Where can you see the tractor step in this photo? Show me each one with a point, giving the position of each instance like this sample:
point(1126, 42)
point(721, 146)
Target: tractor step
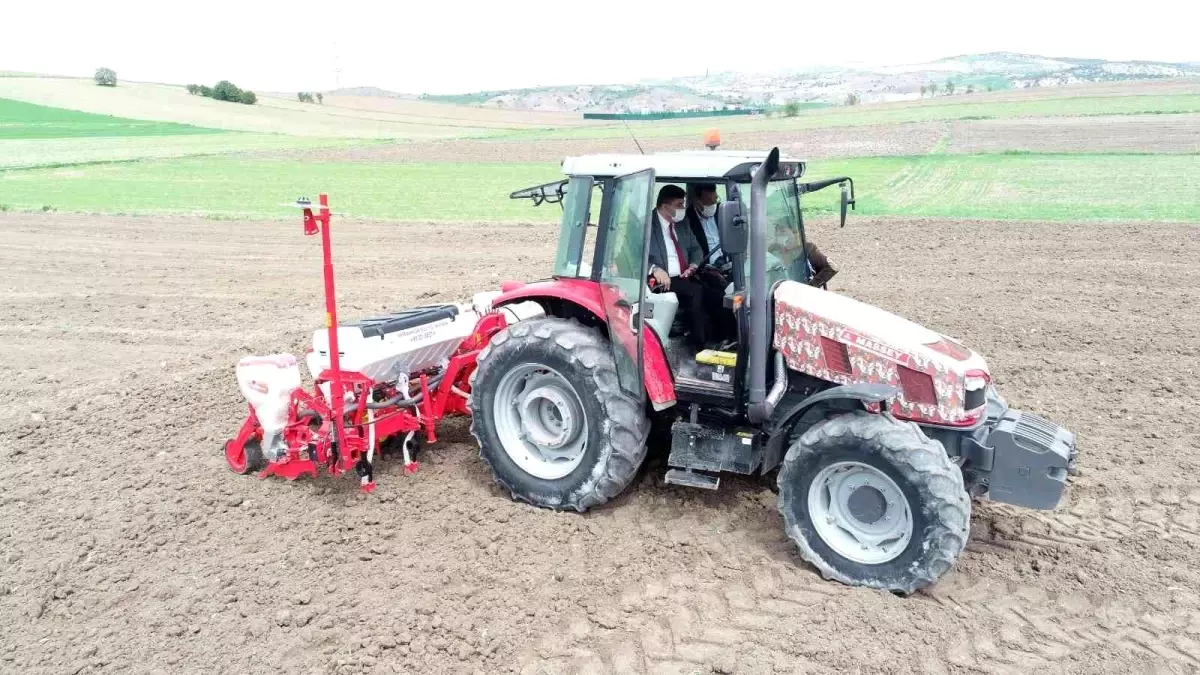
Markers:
point(699, 446)
point(689, 478)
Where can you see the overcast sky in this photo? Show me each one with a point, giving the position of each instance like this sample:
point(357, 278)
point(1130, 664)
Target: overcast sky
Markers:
point(447, 47)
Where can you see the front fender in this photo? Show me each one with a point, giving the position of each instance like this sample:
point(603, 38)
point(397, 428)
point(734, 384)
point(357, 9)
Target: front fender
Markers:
point(584, 296)
point(790, 415)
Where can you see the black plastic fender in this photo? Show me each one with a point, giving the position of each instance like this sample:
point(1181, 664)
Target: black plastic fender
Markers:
point(791, 414)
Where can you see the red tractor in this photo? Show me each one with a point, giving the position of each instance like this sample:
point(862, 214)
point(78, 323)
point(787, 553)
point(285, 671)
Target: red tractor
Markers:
point(880, 431)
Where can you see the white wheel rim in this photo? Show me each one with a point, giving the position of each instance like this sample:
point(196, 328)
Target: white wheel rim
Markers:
point(860, 512)
point(540, 421)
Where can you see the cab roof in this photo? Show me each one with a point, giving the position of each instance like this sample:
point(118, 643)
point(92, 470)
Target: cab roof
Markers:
point(710, 165)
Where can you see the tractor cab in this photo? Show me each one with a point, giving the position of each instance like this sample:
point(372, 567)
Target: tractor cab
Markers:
point(605, 235)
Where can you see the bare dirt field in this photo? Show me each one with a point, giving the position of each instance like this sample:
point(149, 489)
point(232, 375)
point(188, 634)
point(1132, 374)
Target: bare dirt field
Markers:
point(822, 143)
point(127, 546)
point(1109, 133)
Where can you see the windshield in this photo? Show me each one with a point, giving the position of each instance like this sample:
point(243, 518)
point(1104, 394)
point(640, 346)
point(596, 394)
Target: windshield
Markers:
point(786, 257)
point(575, 247)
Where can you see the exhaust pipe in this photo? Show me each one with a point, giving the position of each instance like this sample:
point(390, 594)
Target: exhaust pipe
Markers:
point(759, 408)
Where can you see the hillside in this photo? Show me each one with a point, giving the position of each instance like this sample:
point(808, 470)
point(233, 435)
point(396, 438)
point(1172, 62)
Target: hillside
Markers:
point(829, 85)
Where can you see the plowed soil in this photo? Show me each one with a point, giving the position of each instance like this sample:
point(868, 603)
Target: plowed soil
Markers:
point(1103, 133)
point(862, 141)
point(126, 545)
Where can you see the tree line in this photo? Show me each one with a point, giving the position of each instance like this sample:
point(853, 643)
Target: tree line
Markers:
point(224, 91)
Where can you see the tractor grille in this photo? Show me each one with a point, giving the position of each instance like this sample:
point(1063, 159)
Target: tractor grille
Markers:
point(1036, 430)
point(837, 357)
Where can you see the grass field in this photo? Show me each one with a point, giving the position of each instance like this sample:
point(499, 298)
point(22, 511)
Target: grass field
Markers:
point(21, 120)
point(89, 162)
point(250, 188)
point(60, 152)
point(998, 186)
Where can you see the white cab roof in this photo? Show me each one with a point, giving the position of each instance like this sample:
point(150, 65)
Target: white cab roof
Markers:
point(691, 164)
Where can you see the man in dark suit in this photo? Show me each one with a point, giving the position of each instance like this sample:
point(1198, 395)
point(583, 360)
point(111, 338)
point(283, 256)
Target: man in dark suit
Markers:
point(674, 257)
point(702, 218)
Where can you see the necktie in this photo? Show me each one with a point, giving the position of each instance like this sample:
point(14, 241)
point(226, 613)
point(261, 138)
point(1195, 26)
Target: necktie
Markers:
point(678, 249)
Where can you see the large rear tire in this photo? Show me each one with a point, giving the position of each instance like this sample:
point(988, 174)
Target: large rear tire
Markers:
point(872, 501)
point(551, 419)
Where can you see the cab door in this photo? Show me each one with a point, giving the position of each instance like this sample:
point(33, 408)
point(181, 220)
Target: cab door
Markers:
point(625, 228)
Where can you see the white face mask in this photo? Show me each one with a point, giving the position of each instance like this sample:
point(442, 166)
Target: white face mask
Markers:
point(680, 215)
point(708, 211)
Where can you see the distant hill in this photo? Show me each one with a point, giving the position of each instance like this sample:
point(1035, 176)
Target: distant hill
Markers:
point(827, 85)
point(368, 91)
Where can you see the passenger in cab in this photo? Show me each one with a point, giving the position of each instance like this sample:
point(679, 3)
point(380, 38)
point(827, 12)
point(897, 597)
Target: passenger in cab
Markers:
point(702, 218)
point(818, 270)
point(674, 257)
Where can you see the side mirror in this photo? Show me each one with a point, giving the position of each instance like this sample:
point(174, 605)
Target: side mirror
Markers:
point(847, 199)
point(734, 233)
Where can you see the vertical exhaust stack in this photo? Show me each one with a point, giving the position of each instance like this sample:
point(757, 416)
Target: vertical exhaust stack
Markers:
point(759, 410)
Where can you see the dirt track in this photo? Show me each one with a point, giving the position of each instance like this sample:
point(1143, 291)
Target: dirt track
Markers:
point(860, 141)
point(127, 546)
point(1105, 133)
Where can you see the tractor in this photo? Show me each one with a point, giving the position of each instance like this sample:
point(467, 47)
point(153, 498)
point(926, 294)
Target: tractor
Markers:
point(876, 432)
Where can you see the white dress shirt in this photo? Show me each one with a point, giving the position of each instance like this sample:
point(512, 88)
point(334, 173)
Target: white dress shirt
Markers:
point(673, 266)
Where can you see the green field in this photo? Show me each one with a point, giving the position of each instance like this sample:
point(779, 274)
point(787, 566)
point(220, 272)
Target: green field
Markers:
point(926, 111)
point(72, 161)
point(1001, 186)
point(20, 120)
point(61, 152)
point(250, 188)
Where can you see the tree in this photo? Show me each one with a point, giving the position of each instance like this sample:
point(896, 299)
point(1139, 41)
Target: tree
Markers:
point(949, 87)
point(970, 89)
point(852, 99)
point(791, 109)
point(226, 91)
point(320, 98)
point(923, 90)
point(193, 89)
point(106, 77)
point(249, 98)
point(932, 89)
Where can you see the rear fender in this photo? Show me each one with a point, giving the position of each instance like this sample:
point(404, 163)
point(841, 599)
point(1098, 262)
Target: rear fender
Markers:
point(796, 413)
point(581, 299)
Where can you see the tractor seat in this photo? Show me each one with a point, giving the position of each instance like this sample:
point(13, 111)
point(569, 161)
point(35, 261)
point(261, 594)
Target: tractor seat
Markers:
point(378, 326)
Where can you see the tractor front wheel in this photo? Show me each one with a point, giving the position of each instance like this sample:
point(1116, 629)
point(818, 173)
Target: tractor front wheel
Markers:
point(245, 459)
point(872, 501)
point(551, 419)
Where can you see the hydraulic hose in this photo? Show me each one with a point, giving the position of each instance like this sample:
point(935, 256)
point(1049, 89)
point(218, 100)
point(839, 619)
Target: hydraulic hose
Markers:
point(399, 400)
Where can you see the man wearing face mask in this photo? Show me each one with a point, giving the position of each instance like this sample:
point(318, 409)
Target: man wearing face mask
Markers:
point(702, 217)
point(674, 256)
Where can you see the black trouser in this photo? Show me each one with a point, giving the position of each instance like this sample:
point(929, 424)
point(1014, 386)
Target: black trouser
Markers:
point(723, 326)
point(692, 300)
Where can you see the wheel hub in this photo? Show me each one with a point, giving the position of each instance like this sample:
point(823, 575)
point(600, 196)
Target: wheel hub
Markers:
point(867, 504)
point(540, 421)
point(549, 415)
point(860, 512)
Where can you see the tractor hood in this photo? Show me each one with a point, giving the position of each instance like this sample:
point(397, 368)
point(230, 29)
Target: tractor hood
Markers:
point(872, 329)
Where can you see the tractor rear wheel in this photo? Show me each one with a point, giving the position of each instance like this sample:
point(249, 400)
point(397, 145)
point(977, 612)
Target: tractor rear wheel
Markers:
point(551, 419)
point(872, 501)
